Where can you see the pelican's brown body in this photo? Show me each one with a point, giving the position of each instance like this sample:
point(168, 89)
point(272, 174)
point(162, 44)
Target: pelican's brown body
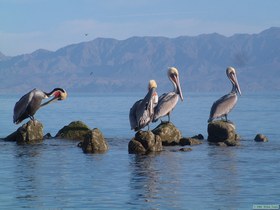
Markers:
point(168, 101)
point(225, 104)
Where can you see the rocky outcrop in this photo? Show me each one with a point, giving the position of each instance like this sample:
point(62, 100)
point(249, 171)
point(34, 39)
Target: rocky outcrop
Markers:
point(261, 138)
point(189, 141)
point(76, 130)
point(30, 132)
point(165, 134)
point(94, 142)
point(168, 133)
point(145, 142)
point(222, 133)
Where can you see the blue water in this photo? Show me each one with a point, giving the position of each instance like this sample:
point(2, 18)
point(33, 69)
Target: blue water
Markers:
point(56, 174)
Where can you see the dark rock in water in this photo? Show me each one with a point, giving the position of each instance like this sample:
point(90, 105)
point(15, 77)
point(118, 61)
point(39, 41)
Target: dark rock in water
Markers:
point(222, 131)
point(135, 147)
point(30, 132)
point(76, 130)
point(189, 141)
point(231, 142)
point(261, 138)
point(169, 134)
point(47, 136)
point(145, 142)
point(199, 136)
point(94, 142)
point(80, 144)
point(185, 149)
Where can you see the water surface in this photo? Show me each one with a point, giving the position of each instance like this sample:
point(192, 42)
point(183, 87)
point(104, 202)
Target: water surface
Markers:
point(57, 174)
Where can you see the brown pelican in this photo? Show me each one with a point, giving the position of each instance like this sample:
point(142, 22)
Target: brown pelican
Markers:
point(31, 102)
point(168, 101)
point(141, 113)
point(225, 104)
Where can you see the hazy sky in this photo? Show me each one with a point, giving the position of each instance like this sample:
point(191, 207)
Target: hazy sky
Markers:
point(27, 25)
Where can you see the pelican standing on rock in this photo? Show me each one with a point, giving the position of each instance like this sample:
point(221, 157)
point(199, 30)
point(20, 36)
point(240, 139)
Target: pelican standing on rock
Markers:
point(225, 104)
point(27, 106)
point(141, 113)
point(168, 101)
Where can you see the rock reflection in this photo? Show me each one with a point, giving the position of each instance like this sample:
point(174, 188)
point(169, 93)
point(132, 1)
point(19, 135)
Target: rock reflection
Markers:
point(222, 168)
point(144, 180)
point(26, 157)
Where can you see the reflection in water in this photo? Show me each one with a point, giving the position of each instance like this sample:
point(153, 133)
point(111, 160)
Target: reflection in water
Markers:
point(144, 179)
point(156, 181)
point(56, 174)
point(26, 182)
point(222, 168)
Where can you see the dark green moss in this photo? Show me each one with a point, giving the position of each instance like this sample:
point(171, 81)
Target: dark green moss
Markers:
point(76, 130)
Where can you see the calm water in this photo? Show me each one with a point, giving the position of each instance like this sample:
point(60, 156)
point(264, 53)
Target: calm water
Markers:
point(56, 174)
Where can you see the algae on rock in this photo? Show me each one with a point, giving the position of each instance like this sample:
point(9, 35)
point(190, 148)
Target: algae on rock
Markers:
point(169, 134)
point(76, 130)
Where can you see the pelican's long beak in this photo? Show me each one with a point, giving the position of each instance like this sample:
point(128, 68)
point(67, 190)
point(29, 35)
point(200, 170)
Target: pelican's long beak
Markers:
point(235, 82)
point(58, 95)
point(179, 90)
point(50, 101)
point(237, 87)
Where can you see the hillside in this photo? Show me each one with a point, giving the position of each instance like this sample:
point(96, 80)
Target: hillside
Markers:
point(109, 65)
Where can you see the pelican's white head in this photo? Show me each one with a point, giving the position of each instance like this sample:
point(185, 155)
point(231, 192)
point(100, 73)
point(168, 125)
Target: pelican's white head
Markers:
point(152, 84)
point(172, 70)
point(231, 73)
point(173, 75)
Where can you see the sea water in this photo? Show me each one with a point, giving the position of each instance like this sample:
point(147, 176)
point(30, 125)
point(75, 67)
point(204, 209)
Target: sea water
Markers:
point(56, 174)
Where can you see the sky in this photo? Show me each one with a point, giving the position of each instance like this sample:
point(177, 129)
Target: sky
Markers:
point(28, 25)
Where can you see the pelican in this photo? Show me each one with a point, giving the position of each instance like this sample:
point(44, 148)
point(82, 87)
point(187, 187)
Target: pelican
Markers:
point(168, 101)
point(31, 102)
point(141, 113)
point(225, 104)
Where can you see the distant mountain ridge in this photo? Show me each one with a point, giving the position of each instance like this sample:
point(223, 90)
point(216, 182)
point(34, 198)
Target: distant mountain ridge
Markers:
point(110, 65)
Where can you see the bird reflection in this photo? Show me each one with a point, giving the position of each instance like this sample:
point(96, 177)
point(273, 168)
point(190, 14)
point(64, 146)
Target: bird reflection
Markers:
point(144, 179)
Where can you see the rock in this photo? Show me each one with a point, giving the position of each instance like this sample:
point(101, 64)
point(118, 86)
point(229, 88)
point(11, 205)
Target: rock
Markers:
point(47, 136)
point(189, 141)
point(261, 138)
point(232, 142)
point(135, 147)
point(220, 144)
point(198, 136)
point(30, 132)
point(76, 130)
point(168, 133)
point(221, 131)
point(94, 142)
point(145, 142)
point(185, 149)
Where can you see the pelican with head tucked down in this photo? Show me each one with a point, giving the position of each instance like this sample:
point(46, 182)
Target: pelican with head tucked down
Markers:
point(28, 104)
point(168, 101)
point(141, 113)
point(225, 104)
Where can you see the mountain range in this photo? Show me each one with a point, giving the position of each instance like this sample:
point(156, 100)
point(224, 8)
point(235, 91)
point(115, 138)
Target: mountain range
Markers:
point(110, 65)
